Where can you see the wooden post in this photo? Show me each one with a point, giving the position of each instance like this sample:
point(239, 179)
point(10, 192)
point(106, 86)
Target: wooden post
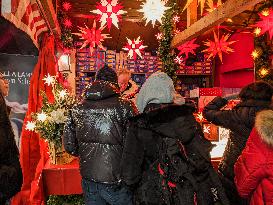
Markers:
point(227, 10)
point(192, 13)
point(49, 14)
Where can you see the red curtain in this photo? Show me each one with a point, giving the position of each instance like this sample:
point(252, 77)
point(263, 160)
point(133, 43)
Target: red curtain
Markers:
point(33, 153)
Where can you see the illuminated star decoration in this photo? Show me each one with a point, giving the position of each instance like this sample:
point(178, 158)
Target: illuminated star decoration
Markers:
point(218, 46)
point(109, 11)
point(263, 72)
point(176, 31)
point(67, 23)
point(187, 48)
point(41, 116)
point(49, 80)
point(159, 36)
point(30, 126)
point(176, 18)
point(153, 10)
point(200, 2)
point(62, 94)
point(67, 6)
point(206, 129)
point(200, 117)
point(266, 23)
point(211, 6)
point(92, 37)
point(178, 60)
point(134, 48)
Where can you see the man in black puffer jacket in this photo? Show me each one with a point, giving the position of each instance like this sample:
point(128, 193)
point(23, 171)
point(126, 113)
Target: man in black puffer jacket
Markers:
point(96, 132)
point(240, 120)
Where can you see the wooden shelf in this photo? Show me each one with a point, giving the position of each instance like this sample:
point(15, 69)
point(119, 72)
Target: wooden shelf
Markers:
point(88, 71)
point(194, 74)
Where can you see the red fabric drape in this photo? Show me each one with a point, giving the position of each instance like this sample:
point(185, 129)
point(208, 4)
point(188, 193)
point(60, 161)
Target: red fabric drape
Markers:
point(33, 153)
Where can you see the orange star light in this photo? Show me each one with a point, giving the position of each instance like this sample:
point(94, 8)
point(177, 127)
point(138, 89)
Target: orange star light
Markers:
point(218, 46)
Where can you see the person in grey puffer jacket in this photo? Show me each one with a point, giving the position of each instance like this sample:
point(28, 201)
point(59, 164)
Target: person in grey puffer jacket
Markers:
point(95, 132)
point(240, 121)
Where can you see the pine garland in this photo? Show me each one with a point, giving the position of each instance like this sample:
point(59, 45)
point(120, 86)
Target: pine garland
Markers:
point(262, 44)
point(165, 52)
point(66, 33)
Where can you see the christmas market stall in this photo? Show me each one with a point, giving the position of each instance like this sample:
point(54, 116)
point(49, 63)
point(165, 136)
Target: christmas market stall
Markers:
point(208, 47)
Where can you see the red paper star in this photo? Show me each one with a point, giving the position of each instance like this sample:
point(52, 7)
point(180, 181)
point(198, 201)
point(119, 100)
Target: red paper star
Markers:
point(67, 23)
point(134, 47)
point(266, 24)
point(187, 48)
point(109, 11)
point(67, 6)
point(92, 36)
point(217, 47)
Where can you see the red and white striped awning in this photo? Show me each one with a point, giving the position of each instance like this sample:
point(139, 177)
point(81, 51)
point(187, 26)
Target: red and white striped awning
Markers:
point(25, 15)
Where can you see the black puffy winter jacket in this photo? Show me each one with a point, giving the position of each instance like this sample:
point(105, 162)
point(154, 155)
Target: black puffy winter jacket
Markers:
point(96, 131)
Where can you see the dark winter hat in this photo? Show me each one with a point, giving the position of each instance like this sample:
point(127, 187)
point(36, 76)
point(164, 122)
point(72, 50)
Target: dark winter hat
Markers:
point(107, 74)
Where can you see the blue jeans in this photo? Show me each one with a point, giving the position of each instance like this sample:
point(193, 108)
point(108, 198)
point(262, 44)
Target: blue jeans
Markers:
point(102, 194)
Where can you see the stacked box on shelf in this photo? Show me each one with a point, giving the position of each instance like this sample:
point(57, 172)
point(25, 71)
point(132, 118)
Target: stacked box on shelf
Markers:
point(86, 66)
point(131, 65)
point(110, 58)
point(152, 64)
point(203, 67)
point(100, 59)
point(183, 69)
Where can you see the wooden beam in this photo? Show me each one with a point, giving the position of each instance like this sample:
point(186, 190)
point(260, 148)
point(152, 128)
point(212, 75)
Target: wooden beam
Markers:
point(192, 13)
point(229, 9)
point(49, 14)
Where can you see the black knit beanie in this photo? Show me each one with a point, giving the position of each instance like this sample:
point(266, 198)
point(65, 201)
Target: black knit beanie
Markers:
point(107, 74)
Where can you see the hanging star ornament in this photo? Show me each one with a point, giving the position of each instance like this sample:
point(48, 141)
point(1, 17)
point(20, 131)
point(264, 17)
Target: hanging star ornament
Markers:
point(49, 80)
point(153, 10)
point(66, 6)
point(212, 6)
point(266, 23)
point(200, 2)
point(178, 60)
point(187, 48)
point(67, 23)
point(92, 36)
point(134, 47)
point(206, 129)
point(218, 46)
point(109, 12)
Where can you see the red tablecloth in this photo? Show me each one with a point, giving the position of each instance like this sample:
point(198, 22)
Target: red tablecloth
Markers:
point(62, 179)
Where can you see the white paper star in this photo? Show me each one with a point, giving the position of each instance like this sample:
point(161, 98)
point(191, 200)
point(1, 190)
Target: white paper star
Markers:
point(109, 12)
point(30, 126)
point(49, 80)
point(134, 48)
point(153, 10)
point(41, 116)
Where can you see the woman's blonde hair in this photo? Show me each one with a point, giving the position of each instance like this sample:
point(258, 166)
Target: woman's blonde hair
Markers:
point(124, 71)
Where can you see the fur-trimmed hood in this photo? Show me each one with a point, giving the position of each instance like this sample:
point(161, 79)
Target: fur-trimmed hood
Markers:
point(264, 126)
